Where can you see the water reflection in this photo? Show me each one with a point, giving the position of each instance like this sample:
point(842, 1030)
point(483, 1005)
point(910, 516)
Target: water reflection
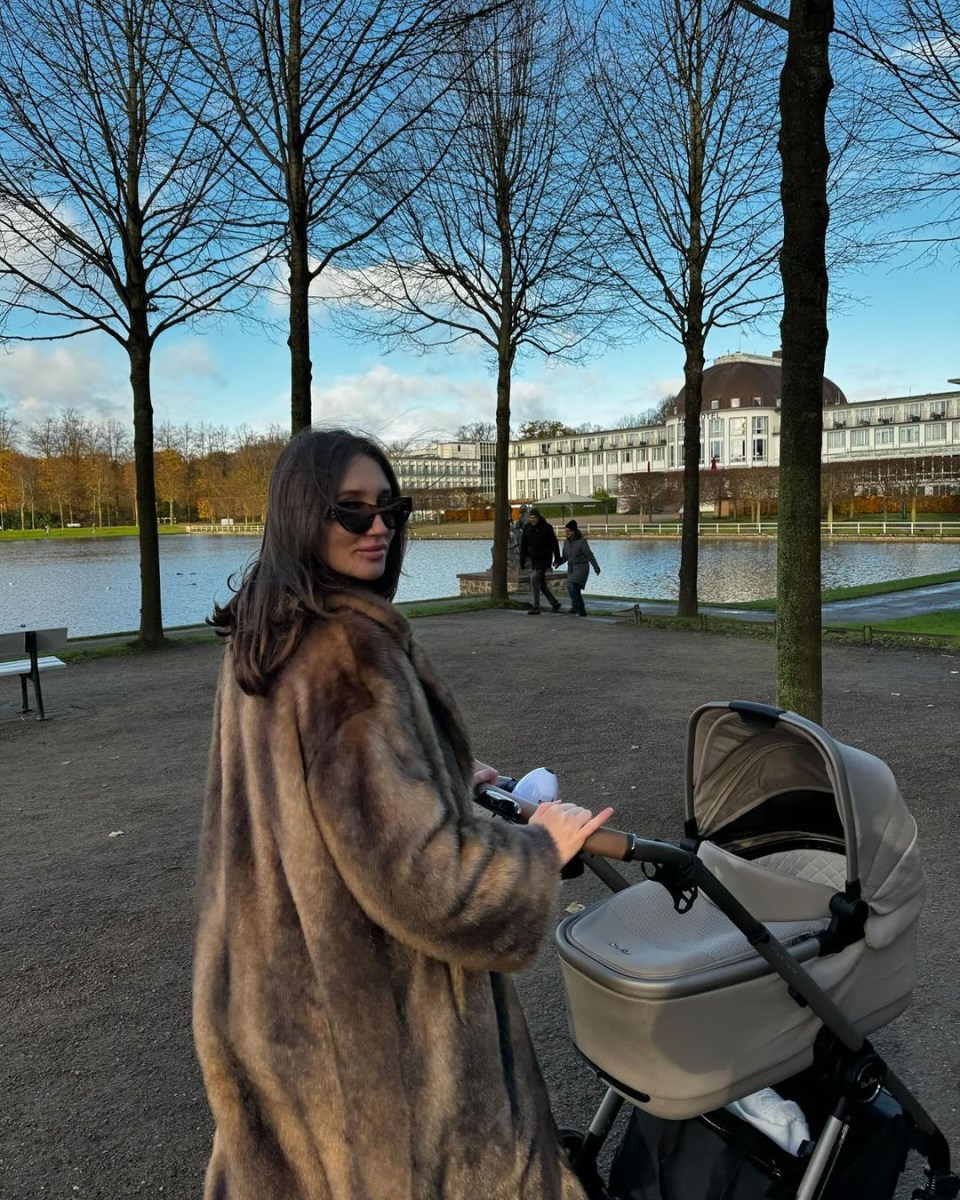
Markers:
point(93, 586)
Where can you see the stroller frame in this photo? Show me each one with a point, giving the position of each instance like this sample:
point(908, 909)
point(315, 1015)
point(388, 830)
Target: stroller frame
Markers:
point(859, 1072)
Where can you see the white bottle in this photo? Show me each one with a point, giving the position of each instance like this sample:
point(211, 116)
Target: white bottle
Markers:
point(539, 785)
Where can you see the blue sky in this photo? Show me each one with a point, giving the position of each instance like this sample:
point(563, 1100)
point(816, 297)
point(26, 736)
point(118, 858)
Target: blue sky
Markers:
point(900, 336)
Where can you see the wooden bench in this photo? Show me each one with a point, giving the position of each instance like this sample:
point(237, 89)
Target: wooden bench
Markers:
point(33, 643)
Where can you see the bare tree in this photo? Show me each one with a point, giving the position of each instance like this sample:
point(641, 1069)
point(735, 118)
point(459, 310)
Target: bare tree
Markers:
point(9, 431)
point(684, 97)
point(493, 245)
point(479, 431)
point(116, 214)
point(643, 491)
point(313, 89)
point(805, 85)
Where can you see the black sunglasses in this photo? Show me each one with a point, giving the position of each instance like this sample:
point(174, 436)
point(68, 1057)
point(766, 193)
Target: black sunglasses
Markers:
point(361, 518)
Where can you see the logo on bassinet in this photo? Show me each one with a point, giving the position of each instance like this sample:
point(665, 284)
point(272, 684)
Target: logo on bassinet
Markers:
point(622, 949)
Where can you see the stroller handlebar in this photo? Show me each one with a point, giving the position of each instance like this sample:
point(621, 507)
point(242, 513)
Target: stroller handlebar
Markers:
point(606, 842)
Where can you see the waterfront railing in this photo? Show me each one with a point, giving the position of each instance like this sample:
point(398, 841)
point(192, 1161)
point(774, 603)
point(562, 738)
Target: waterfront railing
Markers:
point(617, 528)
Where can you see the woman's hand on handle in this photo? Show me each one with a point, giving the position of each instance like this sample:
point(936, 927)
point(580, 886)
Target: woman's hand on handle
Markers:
point(483, 773)
point(569, 825)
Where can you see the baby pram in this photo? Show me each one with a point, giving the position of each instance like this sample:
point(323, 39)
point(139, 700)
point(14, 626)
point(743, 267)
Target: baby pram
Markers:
point(759, 951)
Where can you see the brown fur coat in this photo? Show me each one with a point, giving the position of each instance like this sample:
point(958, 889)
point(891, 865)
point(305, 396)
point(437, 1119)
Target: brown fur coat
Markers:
point(357, 1037)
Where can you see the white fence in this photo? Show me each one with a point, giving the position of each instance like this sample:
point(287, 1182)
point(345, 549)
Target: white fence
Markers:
point(836, 529)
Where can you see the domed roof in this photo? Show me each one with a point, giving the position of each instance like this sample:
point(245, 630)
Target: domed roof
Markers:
point(750, 380)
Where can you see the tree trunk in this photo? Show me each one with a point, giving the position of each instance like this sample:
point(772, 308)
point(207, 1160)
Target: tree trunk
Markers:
point(151, 618)
point(501, 475)
point(298, 252)
point(690, 538)
point(301, 369)
point(805, 85)
point(693, 346)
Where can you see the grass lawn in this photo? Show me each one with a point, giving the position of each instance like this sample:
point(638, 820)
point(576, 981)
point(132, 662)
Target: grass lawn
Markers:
point(937, 624)
point(865, 589)
point(87, 531)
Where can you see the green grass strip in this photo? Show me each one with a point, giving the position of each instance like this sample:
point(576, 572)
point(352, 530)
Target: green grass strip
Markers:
point(883, 588)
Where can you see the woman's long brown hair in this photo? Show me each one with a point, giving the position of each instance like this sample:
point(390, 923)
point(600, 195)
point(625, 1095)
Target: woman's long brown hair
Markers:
point(286, 587)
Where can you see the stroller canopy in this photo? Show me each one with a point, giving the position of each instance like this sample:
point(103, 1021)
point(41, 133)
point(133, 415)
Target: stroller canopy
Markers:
point(740, 756)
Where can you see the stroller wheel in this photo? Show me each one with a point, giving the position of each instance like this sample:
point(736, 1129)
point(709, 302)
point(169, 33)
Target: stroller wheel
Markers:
point(572, 1142)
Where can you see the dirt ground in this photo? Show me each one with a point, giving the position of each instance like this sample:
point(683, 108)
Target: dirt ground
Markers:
point(103, 1095)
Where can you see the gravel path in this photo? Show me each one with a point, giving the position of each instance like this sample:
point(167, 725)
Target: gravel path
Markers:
point(104, 1097)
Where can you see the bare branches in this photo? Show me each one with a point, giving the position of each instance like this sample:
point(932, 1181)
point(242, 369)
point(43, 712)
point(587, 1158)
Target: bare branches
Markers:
point(914, 48)
point(492, 244)
point(686, 103)
point(112, 199)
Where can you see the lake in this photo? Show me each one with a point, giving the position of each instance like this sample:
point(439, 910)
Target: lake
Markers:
point(93, 586)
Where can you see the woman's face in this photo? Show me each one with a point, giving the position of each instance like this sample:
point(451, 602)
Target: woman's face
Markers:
point(360, 556)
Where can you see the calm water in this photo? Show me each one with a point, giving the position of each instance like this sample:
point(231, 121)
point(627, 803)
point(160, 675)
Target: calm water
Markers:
point(93, 586)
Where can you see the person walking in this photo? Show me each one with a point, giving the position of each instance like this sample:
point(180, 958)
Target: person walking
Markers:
point(539, 547)
point(579, 559)
point(358, 916)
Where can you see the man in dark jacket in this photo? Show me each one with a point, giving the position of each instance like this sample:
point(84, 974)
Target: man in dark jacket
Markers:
point(539, 547)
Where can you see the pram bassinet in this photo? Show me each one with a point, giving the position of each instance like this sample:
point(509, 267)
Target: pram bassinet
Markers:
point(675, 1009)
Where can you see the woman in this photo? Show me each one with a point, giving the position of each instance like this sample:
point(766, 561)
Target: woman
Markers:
point(579, 559)
point(357, 1039)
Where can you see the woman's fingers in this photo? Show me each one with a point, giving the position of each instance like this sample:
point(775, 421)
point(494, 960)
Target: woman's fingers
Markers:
point(596, 822)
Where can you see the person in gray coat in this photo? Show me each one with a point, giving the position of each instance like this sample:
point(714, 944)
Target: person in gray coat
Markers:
point(579, 559)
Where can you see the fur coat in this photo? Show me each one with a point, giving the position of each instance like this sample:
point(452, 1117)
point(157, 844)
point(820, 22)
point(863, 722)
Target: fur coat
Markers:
point(357, 916)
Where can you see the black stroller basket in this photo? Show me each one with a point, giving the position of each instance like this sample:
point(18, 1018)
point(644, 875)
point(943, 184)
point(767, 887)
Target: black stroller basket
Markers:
point(759, 951)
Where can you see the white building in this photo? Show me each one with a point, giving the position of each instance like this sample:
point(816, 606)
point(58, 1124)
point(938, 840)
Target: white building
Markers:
point(452, 470)
point(740, 428)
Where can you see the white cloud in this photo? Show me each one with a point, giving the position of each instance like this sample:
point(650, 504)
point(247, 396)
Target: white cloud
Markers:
point(398, 407)
point(39, 379)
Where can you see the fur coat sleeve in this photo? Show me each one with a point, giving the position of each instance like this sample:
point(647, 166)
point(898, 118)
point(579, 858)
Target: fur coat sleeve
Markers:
point(357, 1037)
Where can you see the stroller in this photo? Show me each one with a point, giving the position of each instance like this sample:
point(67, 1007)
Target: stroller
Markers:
point(756, 953)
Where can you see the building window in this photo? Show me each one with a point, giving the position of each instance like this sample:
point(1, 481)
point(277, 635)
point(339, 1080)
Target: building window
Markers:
point(544, 488)
point(864, 416)
point(584, 460)
point(734, 401)
point(886, 415)
point(883, 437)
point(598, 483)
point(672, 458)
point(909, 435)
point(737, 429)
point(936, 431)
point(837, 439)
point(627, 456)
point(714, 403)
point(913, 412)
point(598, 460)
point(612, 457)
point(557, 485)
point(716, 450)
point(759, 427)
point(956, 431)
point(859, 437)
point(658, 453)
point(716, 427)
